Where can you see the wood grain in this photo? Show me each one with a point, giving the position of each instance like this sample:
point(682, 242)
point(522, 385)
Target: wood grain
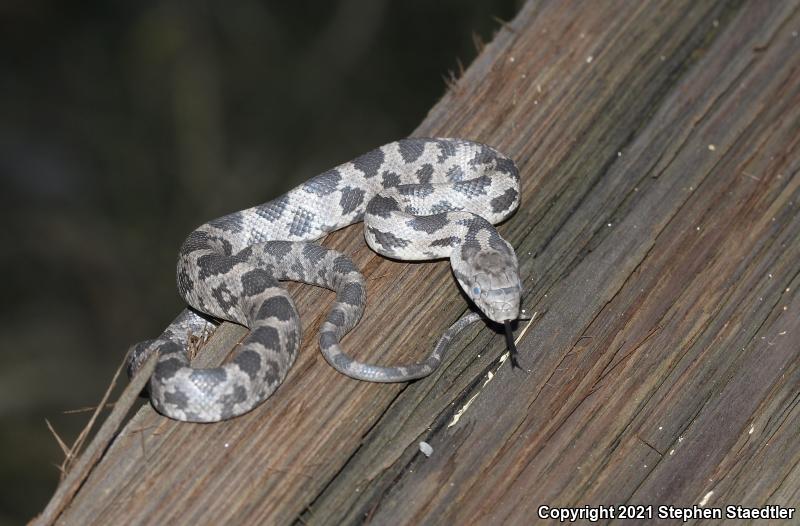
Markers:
point(659, 239)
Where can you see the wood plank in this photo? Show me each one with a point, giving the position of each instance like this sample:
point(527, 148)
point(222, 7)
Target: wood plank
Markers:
point(659, 240)
point(563, 443)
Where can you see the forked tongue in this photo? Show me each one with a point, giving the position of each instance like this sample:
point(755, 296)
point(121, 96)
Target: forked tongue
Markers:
point(512, 348)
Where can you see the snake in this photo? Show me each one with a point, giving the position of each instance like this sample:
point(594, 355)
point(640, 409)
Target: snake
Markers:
point(420, 199)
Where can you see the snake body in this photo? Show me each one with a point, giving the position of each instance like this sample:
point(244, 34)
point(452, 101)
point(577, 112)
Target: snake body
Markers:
point(419, 199)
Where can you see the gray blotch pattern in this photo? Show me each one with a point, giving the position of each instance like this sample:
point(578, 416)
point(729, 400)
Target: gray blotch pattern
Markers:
point(419, 199)
point(428, 224)
point(324, 184)
point(351, 199)
point(390, 179)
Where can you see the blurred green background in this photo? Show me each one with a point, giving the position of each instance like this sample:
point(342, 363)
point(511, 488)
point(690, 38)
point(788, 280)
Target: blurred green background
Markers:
point(123, 125)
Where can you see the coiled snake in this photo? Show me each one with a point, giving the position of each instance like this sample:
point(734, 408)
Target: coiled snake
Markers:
point(420, 199)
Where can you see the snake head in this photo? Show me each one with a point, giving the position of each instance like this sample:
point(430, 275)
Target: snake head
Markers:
point(490, 278)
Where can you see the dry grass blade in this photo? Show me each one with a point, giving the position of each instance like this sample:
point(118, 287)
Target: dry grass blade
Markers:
point(64, 448)
point(76, 447)
point(85, 409)
point(81, 467)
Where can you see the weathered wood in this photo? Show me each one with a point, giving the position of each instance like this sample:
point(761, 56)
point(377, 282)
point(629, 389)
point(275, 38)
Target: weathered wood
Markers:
point(659, 240)
point(78, 473)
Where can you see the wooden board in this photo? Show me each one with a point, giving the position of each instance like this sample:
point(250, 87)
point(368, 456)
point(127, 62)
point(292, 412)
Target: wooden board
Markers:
point(659, 241)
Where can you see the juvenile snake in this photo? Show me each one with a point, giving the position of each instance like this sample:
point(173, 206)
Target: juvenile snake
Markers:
point(419, 199)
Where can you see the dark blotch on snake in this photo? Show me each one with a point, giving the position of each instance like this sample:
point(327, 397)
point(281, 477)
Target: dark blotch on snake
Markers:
point(390, 179)
point(504, 201)
point(274, 209)
point(475, 225)
point(337, 317)
point(411, 149)
point(425, 173)
point(473, 187)
point(277, 306)
point(271, 370)
point(291, 340)
point(137, 355)
point(215, 265)
point(445, 242)
point(352, 294)
point(370, 162)
point(185, 282)
point(323, 184)
point(297, 272)
point(386, 239)
point(327, 340)
point(267, 336)
point(178, 398)
point(469, 249)
point(382, 206)
point(256, 281)
point(270, 269)
point(484, 155)
point(314, 253)
point(222, 245)
point(249, 361)
point(428, 224)
point(302, 222)
point(342, 361)
point(197, 240)
point(344, 265)
point(238, 396)
point(446, 149)
point(245, 253)
point(166, 369)
point(507, 166)
point(351, 199)
point(229, 223)
point(497, 242)
point(278, 249)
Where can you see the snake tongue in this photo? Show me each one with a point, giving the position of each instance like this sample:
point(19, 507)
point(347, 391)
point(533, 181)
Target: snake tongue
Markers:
point(512, 348)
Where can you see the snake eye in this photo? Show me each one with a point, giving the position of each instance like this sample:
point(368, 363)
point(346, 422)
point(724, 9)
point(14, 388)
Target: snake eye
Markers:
point(476, 291)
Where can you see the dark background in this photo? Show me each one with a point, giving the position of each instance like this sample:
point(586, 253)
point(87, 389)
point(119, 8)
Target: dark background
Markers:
point(123, 125)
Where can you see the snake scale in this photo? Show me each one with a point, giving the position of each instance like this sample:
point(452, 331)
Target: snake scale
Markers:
point(419, 199)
